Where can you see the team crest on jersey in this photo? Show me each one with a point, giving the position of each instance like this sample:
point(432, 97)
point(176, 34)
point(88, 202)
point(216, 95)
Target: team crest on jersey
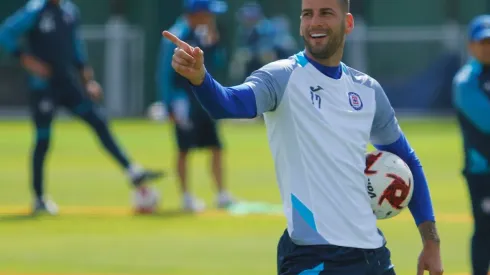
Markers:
point(355, 101)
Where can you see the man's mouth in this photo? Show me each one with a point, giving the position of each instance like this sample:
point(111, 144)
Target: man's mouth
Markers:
point(318, 35)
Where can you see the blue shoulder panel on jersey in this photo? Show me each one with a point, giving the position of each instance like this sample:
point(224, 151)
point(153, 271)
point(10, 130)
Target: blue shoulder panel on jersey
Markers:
point(16, 25)
point(421, 204)
point(165, 72)
point(300, 57)
point(469, 98)
point(81, 57)
point(230, 102)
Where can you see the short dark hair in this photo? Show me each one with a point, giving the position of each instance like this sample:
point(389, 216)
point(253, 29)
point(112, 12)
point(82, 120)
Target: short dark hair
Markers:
point(345, 5)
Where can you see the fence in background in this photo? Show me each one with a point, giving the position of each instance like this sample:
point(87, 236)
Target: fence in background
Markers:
point(116, 51)
point(415, 65)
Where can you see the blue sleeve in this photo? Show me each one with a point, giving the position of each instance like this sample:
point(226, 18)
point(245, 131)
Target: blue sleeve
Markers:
point(262, 92)
point(15, 26)
point(471, 101)
point(163, 71)
point(229, 102)
point(386, 135)
point(421, 204)
point(167, 90)
point(81, 57)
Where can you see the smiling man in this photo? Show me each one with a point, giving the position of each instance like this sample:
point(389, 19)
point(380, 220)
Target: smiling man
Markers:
point(320, 116)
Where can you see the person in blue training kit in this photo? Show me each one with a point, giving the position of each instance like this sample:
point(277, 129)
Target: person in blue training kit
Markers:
point(471, 97)
point(194, 128)
point(56, 62)
point(320, 116)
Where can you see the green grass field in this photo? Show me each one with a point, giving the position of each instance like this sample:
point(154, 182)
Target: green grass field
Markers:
point(97, 234)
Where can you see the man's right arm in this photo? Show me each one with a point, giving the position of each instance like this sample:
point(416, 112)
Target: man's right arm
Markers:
point(260, 93)
point(16, 25)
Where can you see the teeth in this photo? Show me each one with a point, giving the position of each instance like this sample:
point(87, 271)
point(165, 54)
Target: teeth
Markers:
point(316, 35)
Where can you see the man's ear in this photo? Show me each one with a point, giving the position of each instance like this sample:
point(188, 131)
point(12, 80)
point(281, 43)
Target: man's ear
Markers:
point(349, 23)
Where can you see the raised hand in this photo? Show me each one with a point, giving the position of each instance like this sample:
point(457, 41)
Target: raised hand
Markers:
point(187, 61)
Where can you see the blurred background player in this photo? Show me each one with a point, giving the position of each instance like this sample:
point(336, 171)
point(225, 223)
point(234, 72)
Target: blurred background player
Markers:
point(471, 95)
point(55, 59)
point(259, 40)
point(194, 128)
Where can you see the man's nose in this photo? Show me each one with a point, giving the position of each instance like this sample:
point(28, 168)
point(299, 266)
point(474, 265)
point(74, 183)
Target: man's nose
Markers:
point(316, 20)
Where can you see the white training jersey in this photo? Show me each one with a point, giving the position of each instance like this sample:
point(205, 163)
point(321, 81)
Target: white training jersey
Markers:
point(318, 130)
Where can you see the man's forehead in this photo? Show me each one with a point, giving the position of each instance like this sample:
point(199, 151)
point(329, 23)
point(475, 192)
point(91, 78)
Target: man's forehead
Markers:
point(320, 4)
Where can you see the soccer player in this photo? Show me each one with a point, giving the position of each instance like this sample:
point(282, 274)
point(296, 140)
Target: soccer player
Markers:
point(194, 128)
point(54, 57)
point(471, 96)
point(320, 115)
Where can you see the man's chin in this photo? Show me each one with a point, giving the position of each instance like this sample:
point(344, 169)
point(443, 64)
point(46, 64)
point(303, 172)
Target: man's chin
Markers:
point(319, 54)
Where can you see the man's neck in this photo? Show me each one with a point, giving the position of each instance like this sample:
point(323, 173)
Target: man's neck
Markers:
point(333, 61)
point(334, 72)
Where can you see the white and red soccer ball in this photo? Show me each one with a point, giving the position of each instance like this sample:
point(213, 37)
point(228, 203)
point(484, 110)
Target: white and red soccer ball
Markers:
point(389, 183)
point(145, 200)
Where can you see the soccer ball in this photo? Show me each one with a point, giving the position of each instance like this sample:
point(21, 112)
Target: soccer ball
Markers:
point(145, 200)
point(389, 183)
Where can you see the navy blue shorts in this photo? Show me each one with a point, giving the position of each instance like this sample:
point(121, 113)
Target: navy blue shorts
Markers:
point(203, 134)
point(294, 259)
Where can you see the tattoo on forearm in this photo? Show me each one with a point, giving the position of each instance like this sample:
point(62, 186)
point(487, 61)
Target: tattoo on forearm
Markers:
point(428, 232)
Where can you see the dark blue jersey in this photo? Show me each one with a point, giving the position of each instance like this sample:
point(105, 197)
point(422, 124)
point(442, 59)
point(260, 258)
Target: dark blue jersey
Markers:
point(48, 31)
point(471, 97)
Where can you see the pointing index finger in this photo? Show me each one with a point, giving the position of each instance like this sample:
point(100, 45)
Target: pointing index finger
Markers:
point(174, 39)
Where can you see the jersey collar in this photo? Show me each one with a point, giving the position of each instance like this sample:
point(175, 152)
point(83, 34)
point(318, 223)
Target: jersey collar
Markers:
point(332, 72)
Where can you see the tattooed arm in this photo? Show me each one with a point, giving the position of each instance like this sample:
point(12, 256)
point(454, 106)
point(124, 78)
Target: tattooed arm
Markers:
point(428, 232)
point(430, 258)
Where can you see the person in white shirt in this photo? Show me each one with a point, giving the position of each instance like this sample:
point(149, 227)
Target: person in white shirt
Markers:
point(320, 116)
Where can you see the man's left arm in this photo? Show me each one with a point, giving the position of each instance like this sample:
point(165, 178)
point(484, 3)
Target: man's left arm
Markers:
point(386, 135)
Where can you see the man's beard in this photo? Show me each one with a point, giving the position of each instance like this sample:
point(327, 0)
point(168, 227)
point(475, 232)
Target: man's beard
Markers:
point(334, 43)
